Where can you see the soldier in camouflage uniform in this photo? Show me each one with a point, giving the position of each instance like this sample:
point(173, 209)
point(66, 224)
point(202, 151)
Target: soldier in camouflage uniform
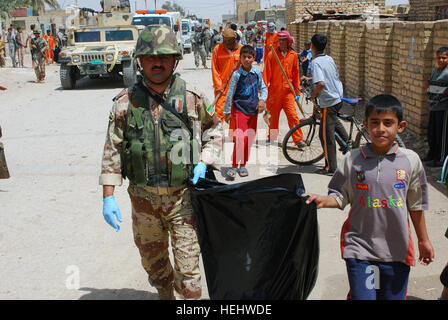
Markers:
point(198, 43)
point(38, 48)
point(145, 140)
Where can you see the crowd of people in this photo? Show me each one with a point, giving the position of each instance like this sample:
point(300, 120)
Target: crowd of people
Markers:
point(17, 40)
point(379, 179)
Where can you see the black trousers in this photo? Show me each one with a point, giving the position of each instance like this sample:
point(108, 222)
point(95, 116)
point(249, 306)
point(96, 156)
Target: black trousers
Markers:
point(438, 135)
point(328, 125)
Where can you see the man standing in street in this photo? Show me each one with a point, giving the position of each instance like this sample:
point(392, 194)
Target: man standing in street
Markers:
point(199, 47)
point(11, 39)
point(49, 57)
point(225, 58)
point(280, 96)
point(150, 140)
point(38, 47)
point(19, 47)
point(270, 38)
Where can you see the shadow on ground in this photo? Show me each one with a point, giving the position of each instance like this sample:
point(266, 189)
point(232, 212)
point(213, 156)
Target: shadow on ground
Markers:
point(117, 294)
point(106, 82)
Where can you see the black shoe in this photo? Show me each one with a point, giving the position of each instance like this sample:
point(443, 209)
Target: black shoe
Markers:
point(324, 172)
point(345, 149)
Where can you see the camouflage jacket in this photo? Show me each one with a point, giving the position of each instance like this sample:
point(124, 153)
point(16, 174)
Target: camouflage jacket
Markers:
point(40, 43)
point(207, 129)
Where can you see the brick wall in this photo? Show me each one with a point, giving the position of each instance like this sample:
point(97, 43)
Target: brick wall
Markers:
point(346, 6)
point(393, 57)
point(423, 10)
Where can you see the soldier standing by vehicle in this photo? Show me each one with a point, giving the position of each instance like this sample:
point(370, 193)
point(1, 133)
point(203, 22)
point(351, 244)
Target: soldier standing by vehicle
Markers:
point(198, 44)
point(148, 125)
point(38, 47)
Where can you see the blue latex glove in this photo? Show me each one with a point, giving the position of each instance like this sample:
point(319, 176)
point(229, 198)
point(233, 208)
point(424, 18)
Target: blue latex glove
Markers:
point(297, 98)
point(199, 172)
point(111, 209)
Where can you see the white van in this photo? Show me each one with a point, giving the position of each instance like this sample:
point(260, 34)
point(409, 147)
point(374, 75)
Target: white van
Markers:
point(147, 17)
point(187, 34)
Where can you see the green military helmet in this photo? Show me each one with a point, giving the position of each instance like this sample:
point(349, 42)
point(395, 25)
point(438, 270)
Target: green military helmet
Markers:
point(36, 31)
point(157, 40)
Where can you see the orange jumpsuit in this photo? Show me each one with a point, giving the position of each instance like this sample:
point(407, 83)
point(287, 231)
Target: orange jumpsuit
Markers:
point(222, 64)
point(51, 46)
point(271, 38)
point(279, 93)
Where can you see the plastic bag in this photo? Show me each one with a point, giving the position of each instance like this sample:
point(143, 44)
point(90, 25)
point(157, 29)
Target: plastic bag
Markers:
point(259, 240)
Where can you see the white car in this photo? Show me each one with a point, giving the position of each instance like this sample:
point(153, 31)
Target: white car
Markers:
point(147, 17)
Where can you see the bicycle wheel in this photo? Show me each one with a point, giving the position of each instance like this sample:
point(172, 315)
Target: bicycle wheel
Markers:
point(313, 151)
point(362, 138)
point(362, 141)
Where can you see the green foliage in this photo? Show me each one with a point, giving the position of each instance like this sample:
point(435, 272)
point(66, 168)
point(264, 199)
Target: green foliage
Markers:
point(173, 6)
point(7, 6)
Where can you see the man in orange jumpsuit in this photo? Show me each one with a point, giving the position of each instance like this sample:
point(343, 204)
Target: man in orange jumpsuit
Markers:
point(225, 57)
point(271, 38)
point(279, 93)
point(51, 45)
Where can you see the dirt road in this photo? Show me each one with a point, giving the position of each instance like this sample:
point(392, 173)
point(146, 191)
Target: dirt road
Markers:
point(55, 243)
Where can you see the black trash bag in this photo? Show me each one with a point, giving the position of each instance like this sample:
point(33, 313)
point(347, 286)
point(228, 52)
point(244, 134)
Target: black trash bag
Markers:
point(259, 239)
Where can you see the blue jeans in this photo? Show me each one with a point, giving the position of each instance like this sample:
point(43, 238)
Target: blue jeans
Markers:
point(259, 54)
point(371, 280)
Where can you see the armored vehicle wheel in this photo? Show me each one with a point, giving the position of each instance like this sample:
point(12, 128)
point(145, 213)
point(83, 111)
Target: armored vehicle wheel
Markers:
point(129, 73)
point(67, 76)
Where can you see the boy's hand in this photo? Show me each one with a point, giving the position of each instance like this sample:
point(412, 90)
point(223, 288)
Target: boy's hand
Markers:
point(227, 117)
point(261, 106)
point(321, 201)
point(426, 252)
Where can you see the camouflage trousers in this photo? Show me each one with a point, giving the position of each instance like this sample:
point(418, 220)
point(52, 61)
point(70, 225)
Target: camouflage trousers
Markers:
point(39, 68)
point(199, 53)
point(155, 220)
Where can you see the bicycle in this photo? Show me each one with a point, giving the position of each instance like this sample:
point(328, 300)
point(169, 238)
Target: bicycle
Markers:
point(313, 151)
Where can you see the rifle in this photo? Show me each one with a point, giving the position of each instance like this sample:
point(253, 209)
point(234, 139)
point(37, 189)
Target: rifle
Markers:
point(38, 49)
point(286, 78)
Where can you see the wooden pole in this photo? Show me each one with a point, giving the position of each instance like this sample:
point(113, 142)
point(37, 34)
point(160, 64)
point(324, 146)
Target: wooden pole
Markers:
point(286, 78)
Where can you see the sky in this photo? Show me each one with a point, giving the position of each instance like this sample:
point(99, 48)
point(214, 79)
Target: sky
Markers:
point(213, 9)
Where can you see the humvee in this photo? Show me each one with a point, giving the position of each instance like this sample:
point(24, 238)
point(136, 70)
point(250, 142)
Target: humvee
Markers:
point(103, 47)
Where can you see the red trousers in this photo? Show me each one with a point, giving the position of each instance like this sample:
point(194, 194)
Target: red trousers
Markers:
point(244, 132)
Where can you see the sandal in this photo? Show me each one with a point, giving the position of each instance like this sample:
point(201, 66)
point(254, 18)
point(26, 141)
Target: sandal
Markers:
point(231, 173)
point(243, 172)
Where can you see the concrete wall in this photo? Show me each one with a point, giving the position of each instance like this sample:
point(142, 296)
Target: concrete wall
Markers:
point(391, 57)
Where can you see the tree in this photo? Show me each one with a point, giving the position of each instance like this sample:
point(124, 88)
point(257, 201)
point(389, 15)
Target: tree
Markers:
point(6, 7)
point(173, 6)
point(39, 5)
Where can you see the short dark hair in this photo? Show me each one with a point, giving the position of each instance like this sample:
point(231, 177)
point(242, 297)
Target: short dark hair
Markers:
point(319, 41)
point(32, 26)
point(233, 27)
point(247, 49)
point(307, 43)
point(442, 50)
point(382, 103)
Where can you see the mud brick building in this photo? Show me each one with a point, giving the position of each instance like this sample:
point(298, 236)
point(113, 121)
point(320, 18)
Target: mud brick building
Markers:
point(383, 54)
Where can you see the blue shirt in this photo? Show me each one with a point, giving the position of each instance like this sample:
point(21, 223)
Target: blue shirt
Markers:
point(306, 54)
point(323, 69)
point(252, 89)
